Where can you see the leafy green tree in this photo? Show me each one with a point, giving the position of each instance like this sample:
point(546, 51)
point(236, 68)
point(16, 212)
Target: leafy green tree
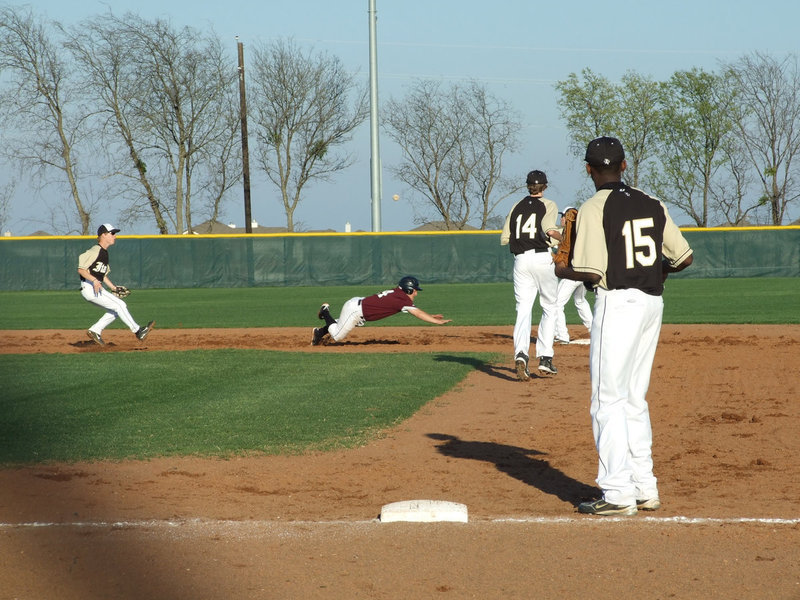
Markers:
point(592, 106)
point(696, 124)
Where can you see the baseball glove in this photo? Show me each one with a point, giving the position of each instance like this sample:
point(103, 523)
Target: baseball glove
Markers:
point(121, 291)
point(567, 239)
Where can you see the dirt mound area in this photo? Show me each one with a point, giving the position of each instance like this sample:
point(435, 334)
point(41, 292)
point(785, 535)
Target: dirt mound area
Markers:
point(726, 422)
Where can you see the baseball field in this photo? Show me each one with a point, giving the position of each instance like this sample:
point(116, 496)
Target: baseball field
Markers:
point(224, 457)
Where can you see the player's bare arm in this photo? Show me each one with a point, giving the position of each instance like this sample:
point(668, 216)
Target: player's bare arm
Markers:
point(554, 234)
point(567, 272)
point(421, 314)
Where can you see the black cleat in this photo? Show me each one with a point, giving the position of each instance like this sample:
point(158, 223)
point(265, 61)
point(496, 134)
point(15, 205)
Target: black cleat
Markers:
point(316, 336)
point(546, 365)
point(521, 362)
point(95, 338)
point(324, 310)
point(143, 331)
point(606, 509)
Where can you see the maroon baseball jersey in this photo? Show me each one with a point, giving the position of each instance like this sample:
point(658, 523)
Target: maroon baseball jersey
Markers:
point(385, 304)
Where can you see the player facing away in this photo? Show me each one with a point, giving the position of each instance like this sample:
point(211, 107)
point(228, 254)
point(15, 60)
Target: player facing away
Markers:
point(359, 309)
point(529, 231)
point(625, 245)
point(93, 269)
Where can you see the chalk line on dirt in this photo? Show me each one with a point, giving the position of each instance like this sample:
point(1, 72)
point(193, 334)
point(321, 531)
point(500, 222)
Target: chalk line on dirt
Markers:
point(218, 523)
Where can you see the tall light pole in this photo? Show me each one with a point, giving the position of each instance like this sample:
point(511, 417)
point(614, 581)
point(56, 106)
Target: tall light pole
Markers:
point(248, 219)
point(375, 152)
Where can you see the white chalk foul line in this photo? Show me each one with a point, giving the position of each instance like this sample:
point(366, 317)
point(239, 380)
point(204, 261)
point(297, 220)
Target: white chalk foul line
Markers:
point(212, 523)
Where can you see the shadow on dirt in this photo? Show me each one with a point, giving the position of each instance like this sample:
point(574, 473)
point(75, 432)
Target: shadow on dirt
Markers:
point(507, 373)
point(519, 464)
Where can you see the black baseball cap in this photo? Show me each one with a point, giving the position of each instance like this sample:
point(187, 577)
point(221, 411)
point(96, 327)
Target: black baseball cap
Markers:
point(535, 177)
point(107, 228)
point(604, 151)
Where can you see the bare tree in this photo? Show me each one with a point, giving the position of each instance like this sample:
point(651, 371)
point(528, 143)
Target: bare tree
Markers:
point(454, 141)
point(41, 103)
point(168, 100)
point(6, 193)
point(302, 109)
point(729, 195)
point(768, 118)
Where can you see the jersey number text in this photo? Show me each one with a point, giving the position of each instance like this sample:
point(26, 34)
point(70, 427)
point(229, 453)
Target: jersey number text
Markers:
point(639, 247)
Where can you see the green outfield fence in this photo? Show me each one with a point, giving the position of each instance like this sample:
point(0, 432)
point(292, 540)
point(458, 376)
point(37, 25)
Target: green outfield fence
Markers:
point(319, 259)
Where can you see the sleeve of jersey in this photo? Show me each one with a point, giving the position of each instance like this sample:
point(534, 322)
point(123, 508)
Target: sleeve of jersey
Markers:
point(675, 247)
point(505, 235)
point(86, 259)
point(550, 216)
point(590, 254)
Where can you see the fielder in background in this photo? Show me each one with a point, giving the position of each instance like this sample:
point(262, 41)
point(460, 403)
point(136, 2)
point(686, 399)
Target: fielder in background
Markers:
point(358, 310)
point(568, 288)
point(96, 287)
point(625, 244)
point(529, 231)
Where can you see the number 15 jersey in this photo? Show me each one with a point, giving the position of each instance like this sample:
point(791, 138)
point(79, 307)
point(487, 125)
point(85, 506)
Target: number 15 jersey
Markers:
point(622, 234)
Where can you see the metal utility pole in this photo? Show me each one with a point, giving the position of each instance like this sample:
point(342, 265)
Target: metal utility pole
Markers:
point(375, 153)
point(248, 220)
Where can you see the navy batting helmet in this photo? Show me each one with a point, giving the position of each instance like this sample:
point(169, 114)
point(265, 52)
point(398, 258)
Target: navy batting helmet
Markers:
point(408, 284)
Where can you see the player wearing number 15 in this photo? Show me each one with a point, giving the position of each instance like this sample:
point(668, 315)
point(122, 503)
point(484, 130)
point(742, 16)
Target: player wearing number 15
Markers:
point(530, 230)
point(625, 244)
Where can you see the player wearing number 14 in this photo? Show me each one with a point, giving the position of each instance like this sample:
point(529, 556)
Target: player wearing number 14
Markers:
point(529, 231)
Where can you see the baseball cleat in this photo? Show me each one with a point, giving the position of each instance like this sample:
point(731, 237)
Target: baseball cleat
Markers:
point(325, 308)
point(521, 362)
point(143, 331)
point(649, 504)
point(546, 365)
point(562, 341)
point(95, 337)
point(316, 336)
point(606, 509)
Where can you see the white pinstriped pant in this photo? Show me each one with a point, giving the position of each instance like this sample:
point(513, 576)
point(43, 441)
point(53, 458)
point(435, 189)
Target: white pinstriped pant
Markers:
point(114, 307)
point(534, 274)
point(350, 317)
point(624, 338)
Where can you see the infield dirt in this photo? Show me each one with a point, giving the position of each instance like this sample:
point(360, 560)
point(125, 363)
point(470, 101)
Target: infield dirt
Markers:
point(726, 419)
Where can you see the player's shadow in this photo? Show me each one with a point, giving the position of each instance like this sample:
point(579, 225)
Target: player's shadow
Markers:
point(370, 342)
point(506, 373)
point(520, 464)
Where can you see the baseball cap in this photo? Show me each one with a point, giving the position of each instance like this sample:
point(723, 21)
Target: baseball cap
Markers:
point(107, 228)
point(563, 212)
point(536, 177)
point(604, 151)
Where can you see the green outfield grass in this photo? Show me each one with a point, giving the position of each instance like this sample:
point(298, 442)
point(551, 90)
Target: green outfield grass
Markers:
point(116, 405)
point(754, 300)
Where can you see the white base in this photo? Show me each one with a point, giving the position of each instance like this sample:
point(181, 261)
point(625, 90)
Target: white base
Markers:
point(424, 511)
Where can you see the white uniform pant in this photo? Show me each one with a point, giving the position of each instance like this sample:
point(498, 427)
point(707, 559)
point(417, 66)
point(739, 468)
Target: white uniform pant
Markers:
point(568, 288)
point(114, 307)
point(534, 273)
point(624, 337)
point(350, 317)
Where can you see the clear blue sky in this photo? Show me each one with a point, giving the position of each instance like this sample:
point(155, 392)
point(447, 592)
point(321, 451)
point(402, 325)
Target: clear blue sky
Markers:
point(518, 48)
